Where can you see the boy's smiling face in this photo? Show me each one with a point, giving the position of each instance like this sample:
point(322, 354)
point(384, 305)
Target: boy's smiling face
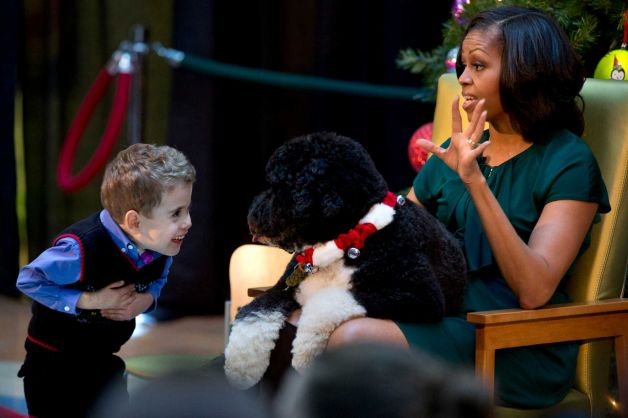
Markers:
point(167, 225)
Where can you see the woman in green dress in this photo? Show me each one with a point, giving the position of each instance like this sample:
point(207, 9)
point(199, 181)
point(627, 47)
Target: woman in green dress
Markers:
point(520, 196)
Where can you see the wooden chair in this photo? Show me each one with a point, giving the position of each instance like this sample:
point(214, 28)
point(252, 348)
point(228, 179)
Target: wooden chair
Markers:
point(598, 315)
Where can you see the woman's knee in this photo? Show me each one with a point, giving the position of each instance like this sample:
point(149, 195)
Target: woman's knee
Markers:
point(367, 329)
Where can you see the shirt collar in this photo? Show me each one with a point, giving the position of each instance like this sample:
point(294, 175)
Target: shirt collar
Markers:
point(123, 242)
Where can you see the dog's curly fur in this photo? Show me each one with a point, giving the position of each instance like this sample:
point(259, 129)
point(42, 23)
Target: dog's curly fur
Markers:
point(321, 185)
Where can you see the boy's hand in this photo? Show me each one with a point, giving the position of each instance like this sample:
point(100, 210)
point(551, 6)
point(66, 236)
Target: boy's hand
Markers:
point(114, 295)
point(139, 305)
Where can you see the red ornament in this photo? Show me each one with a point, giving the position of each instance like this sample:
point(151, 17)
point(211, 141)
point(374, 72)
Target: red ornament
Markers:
point(416, 154)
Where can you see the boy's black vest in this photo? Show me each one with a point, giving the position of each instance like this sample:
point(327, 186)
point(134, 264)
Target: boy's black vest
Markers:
point(102, 263)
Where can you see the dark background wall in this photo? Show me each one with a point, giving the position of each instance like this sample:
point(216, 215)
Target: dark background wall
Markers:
point(9, 248)
point(227, 127)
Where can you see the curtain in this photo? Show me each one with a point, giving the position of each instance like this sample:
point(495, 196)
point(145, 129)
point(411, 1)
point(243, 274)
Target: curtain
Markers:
point(9, 247)
point(63, 46)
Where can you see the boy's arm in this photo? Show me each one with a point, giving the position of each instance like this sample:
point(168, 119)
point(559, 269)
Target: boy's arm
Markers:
point(155, 287)
point(44, 278)
point(144, 302)
point(140, 304)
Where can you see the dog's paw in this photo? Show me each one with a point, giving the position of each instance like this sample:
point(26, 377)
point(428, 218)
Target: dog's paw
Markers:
point(320, 316)
point(248, 353)
point(303, 356)
point(310, 340)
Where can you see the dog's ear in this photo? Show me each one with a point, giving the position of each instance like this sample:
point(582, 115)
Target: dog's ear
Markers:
point(328, 181)
point(314, 193)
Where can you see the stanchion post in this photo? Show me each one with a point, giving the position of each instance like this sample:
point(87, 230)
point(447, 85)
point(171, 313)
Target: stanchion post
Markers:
point(138, 49)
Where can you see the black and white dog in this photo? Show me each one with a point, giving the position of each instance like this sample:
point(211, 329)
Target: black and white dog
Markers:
point(360, 251)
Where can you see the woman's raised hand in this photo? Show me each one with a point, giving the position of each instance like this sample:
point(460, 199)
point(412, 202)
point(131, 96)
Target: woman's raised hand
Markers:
point(464, 148)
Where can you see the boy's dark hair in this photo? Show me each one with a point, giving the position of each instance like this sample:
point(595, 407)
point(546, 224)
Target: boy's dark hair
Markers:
point(541, 74)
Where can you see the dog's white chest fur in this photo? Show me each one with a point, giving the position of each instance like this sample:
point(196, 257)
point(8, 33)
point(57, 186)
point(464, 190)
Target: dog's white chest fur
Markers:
point(326, 301)
point(336, 275)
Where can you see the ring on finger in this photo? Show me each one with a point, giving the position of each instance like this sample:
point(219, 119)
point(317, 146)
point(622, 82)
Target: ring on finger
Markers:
point(472, 143)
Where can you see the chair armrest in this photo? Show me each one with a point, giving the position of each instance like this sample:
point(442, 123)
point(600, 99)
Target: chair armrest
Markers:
point(566, 310)
point(556, 323)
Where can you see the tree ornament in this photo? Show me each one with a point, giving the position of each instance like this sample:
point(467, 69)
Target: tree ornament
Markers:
point(450, 62)
point(457, 8)
point(416, 154)
point(613, 65)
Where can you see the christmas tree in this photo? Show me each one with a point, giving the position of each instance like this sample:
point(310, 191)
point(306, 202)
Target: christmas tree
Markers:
point(594, 27)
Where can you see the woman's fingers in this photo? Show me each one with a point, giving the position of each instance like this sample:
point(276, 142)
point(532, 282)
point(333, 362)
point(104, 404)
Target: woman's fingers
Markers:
point(479, 127)
point(476, 123)
point(429, 146)
point(476, 117)
point(456, 119)
point(481, 147)
point(475, 129)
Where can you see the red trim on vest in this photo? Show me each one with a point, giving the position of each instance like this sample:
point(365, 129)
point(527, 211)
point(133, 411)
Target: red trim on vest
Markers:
point(42, 344)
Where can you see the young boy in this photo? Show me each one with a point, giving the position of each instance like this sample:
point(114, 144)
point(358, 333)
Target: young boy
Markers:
point(98, 275)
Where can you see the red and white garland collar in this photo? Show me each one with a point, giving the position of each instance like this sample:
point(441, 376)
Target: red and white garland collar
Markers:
point(321, 255)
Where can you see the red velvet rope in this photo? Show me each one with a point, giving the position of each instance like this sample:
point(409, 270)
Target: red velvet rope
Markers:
point(66, 181)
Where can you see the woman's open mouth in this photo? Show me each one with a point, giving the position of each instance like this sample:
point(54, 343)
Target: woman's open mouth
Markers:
point(469, 103)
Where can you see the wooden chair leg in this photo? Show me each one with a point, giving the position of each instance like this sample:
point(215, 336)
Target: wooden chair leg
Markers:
point(621, 361)
point(484, 361)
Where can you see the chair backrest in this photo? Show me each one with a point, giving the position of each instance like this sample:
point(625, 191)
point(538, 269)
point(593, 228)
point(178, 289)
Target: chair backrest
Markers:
point(253, 265)
point(601, 271)
point(448, 88)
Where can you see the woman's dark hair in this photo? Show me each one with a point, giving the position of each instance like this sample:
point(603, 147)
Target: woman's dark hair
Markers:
point(541, 75)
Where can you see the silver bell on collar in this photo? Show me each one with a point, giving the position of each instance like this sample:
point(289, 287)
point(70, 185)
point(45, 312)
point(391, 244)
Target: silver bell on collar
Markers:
point(353, 253)
point(310, 268)
point(401, 200)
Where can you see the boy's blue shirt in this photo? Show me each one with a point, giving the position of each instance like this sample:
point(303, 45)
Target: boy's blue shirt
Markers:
point(46, 277)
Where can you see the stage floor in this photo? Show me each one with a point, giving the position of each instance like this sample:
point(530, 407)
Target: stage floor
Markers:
point(187, 337)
